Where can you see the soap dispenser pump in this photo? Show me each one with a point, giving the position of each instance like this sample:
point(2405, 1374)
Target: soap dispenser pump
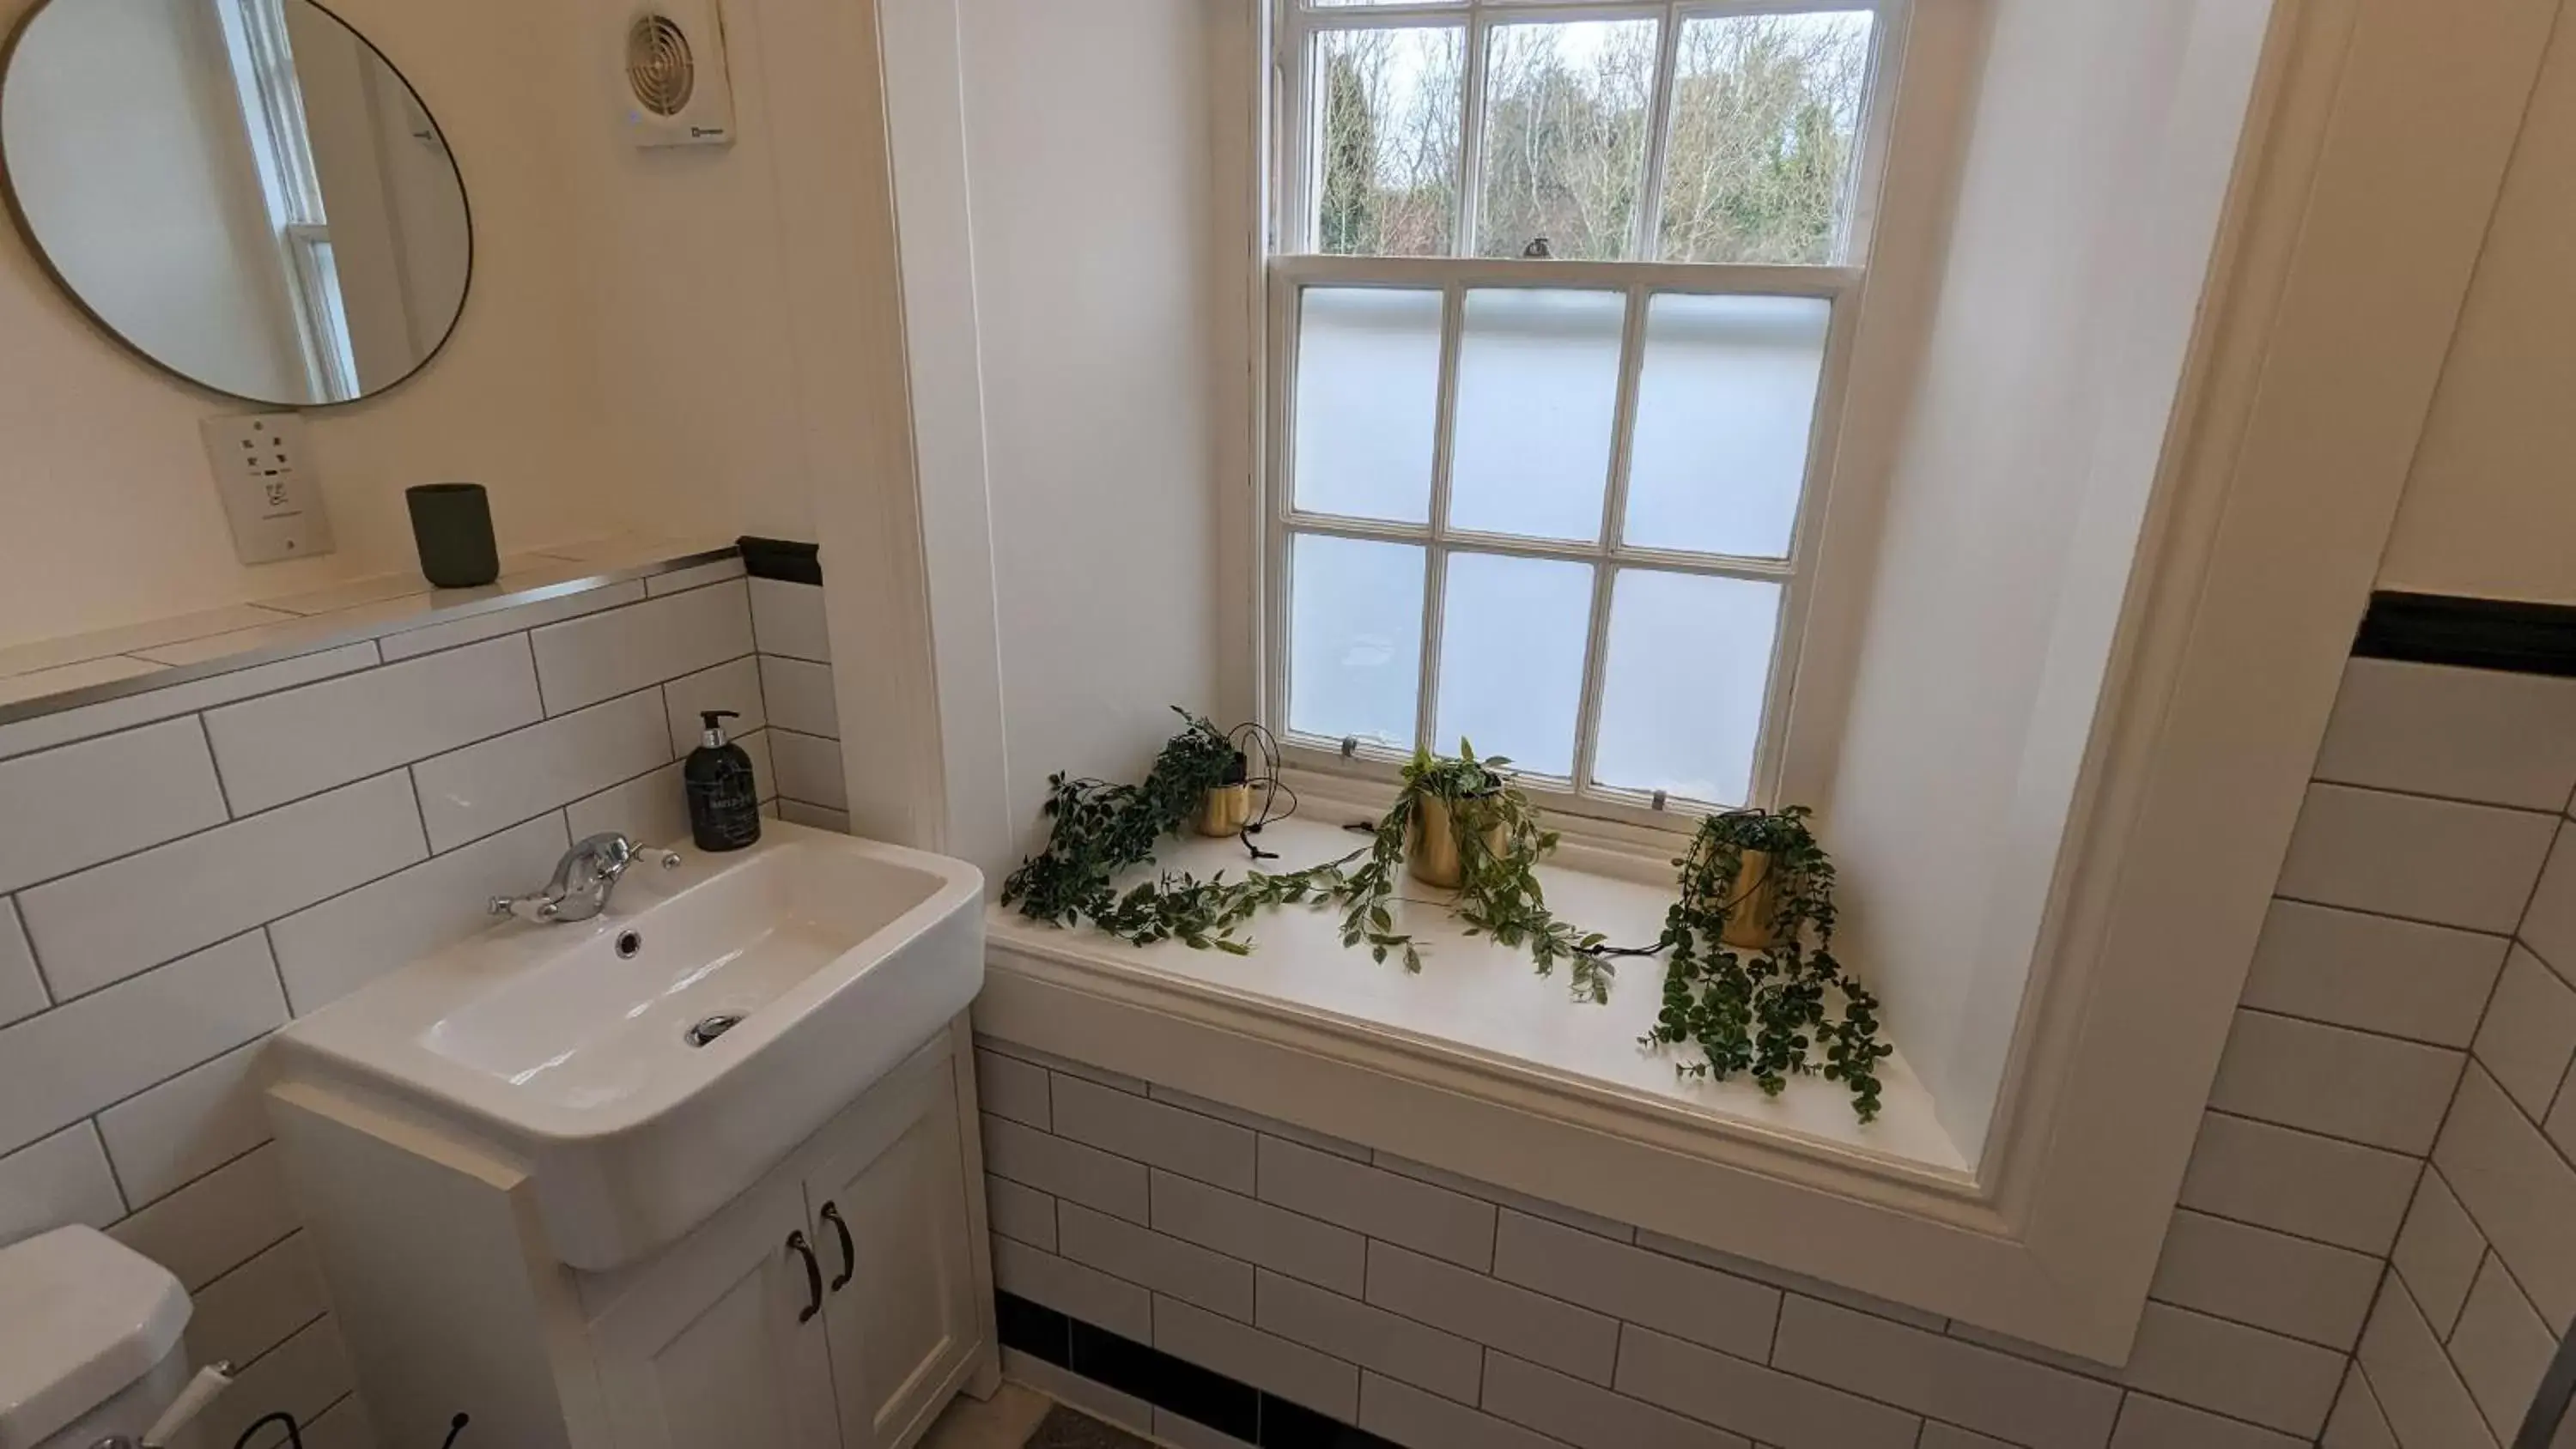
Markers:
point(724, 797)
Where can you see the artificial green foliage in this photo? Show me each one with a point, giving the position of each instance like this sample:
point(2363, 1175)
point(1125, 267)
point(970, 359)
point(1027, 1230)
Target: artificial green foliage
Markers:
point(1765, 1011)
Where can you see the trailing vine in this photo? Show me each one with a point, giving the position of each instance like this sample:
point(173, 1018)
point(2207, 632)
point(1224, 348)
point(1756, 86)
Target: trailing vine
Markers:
point(1761, 1010)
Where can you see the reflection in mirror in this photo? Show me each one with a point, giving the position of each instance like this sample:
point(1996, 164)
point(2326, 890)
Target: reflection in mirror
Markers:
point(244, 191)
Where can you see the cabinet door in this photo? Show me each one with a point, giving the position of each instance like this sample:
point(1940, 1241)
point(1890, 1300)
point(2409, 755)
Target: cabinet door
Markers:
point(891, 1217)
point(707, 1349)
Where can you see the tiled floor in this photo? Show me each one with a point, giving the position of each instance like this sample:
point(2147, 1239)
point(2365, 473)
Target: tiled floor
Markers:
point(1017, 1417)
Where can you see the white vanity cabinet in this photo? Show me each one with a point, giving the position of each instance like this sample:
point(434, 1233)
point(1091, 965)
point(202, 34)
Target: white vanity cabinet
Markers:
point(836, 1304)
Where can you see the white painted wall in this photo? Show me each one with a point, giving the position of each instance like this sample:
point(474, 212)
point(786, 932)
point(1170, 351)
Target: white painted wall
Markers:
point(2490, 509)
point(2102, 143)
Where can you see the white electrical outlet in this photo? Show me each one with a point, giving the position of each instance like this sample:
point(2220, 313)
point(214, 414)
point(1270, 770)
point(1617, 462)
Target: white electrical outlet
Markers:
point(272, 499)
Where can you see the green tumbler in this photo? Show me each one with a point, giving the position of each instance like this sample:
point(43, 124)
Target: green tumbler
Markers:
point(452, 524)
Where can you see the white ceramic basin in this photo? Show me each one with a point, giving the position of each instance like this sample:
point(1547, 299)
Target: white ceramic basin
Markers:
point(541, 1042)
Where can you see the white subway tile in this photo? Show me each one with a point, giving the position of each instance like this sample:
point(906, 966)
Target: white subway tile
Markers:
point(2378, 973)
point(73, 1060)
point(732, 686)
point(46, 683)
point(799, 694)
point(1773, 1407)
point(92, 802)
point(1070, 1288)
point(1066, 1065)
point(286, 746)
point(2413, 1381)
point(2530, 1033)
point(809, 769)
point(1257, 1232)
point(1592, 1418)
point(695, 576)
point(1013, 1089)
point(1020, 1212)
point(473, 628)
point(1944, 1436)
point(1699, 1304)
point(1181, 1432)
point(310, 634)
point(22, 990)
point(1378, 1203)
point(1527, 1325)
point(1164, 1264)
point(304, 1375)
point(2363, 1088)
point(327, 951)
point(1417, 1420)
point(1266, 1361)
point(2357, 1421)
point(1537, 1207)
point(1064, 1386)
point(2437, 1253)
point(1371, 1337)
point(1785, 1280)
point(2501, 1348)
point(2517, 1189)
point(583, 661)
point(2271, 1280)
point(217, 1223)
point(2549, 925)
point(61, 1180)
point(343, 1426)
point(1258, 1123)
point(2244, 1373)
point(477, 790)
point(1957, 1382)
point(164, 1138)
point(260, 1304)
point(169, 701)
point(789, 620)
point(2426, 860)
point(652, 808)
point(2561, 1124)
point(2152, 1423)
point(99, 643)
point(764, 768)
point(797, 812)
point(2463, 734)
point(1153, 1132)
point(111, 921)
point(2298, 1182)
point(1069, 1170)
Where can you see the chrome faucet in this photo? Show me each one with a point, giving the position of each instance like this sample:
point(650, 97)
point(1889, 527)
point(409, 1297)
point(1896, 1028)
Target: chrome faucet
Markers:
point(583, 880)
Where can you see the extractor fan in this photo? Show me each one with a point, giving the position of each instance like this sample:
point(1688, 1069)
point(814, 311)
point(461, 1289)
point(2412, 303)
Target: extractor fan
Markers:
point(673, 74)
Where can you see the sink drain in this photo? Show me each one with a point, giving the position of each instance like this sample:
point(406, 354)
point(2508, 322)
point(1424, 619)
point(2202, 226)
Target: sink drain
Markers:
point(711, 1028)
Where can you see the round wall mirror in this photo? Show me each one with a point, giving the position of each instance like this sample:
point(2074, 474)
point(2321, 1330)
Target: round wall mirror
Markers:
point(244, 192)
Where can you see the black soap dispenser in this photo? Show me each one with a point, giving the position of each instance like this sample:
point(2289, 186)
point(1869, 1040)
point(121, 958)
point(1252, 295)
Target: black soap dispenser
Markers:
point(724, 798)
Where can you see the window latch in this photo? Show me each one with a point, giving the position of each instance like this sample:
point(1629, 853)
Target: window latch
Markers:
point(1659, 799)
point(1350, 747)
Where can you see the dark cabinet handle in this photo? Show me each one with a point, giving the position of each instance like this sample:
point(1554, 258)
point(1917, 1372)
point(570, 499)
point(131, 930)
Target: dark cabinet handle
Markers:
point(813, 1275)
point(849, 1259)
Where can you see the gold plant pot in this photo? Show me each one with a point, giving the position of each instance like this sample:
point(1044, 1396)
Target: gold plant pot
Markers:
point(1224, 810)
point(1431, 844)
point(1753, 922)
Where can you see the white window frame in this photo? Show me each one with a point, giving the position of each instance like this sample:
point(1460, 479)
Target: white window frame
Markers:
point(1291, 265)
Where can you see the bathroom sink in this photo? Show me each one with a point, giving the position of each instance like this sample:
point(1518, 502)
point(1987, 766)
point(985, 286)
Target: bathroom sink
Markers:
point(647, 1065)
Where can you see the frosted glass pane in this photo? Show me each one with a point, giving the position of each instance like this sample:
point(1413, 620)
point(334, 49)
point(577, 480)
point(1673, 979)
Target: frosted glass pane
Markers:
point(1765, 135)
point(1565, 137)
point(1538, 385)
point(1354, 638)
point(1386, 140)
point(1368, 392)
point(1512, 632)
point(1682, 692)
point(1725, 406)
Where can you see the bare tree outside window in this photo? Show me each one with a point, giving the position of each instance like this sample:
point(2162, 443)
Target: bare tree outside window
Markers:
point(1390, 141)
point(1566, 110)
point(1766, 123)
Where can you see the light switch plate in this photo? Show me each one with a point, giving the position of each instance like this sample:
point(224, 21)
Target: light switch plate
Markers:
point(272, 499)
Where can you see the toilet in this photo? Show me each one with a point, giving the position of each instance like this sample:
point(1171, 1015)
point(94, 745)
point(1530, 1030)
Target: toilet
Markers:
point(89, 1340)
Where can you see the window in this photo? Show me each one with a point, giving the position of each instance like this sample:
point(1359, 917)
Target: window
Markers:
point(272, 103)
point(1561, 299)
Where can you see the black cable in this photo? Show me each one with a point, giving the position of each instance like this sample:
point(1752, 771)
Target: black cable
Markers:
point(2548, 1412)
point(294, 1434)
point(1252, 743)
point(455, 1427)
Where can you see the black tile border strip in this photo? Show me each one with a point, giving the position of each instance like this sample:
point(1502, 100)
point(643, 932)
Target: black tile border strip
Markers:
point(1229, 1406)
point(783, 559)
point(2503, 634)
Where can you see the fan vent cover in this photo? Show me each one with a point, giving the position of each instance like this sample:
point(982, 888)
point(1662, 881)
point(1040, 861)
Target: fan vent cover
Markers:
point(661, 67)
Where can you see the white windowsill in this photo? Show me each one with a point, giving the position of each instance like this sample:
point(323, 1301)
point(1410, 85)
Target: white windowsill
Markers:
point(1478, 1012)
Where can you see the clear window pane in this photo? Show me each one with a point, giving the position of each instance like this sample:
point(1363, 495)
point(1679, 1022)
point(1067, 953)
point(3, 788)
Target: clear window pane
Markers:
point(1765, 138)
point(1682, 690)
point(1565, 137)
point(1512, 634)
point(1386, 140)
point(1354, 638)
point(1725, 406)
point(1368, 395)
point(1538, 387)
